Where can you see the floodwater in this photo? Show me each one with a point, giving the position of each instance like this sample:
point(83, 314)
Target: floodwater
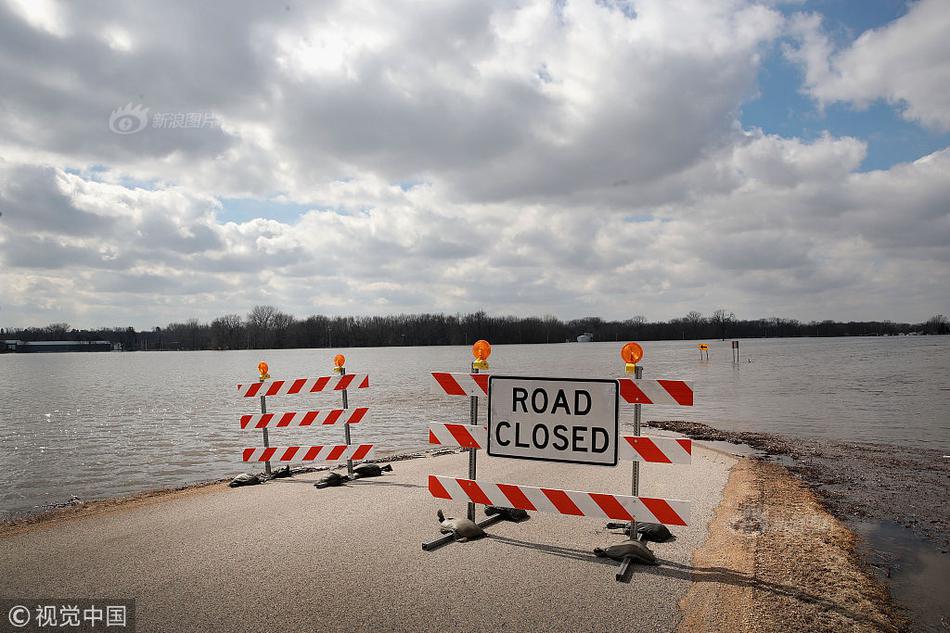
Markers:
point(912, 569)
point(99, 425)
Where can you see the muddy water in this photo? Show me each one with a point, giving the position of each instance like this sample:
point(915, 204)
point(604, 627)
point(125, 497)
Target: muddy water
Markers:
point(915, 571)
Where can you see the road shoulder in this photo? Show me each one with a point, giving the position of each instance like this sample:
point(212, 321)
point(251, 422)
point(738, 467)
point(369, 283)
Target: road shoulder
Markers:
point(775, 559)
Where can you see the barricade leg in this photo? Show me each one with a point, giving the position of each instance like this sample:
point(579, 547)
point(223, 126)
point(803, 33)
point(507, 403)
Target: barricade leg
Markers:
point(625, 567)
point(439, 541)
point(443, 379)
point(472, 455)
point(635, 480)
point(346, 429)
point(264, 430)
point(445, 539)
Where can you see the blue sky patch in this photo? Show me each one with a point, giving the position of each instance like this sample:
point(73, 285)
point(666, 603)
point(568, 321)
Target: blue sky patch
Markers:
point(845, 20)
point(780, 107)
point(245, 209)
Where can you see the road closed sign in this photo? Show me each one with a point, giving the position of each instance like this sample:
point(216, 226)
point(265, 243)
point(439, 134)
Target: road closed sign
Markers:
point(553, 419)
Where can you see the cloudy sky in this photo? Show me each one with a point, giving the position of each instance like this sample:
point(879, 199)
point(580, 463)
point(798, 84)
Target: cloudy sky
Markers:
point(167, 160)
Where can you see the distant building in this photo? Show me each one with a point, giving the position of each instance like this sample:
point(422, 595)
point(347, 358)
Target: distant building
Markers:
point(586, 337)
point(33, 347)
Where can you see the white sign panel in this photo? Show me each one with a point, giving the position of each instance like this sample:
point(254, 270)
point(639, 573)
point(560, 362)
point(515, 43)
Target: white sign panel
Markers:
point(553, 419)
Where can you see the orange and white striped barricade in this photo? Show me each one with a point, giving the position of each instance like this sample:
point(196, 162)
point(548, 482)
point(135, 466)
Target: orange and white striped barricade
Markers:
point(317, 453)
point(340, 383)
point(461, 435)
point(657, 450)
point(305, 418)
point(639, 392)
point(674, 392)
point(339, 362)
point(558, 501)
point(304, 386)
point(459, 384)
point(562, 420)
point(473, 385)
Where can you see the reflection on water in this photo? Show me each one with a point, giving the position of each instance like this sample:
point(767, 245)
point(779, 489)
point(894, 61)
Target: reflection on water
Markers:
point(915, 572)
point(99, 425)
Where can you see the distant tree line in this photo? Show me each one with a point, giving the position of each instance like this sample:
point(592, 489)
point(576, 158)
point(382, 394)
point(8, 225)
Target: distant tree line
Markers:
point(266, 327)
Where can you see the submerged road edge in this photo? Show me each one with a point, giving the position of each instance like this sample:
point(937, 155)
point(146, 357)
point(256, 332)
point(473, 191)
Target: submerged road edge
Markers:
point(776, 559)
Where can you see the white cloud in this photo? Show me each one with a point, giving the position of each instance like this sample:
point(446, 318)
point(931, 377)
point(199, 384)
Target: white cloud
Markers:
point(576, 158)
point(41, 14)
point(764, 244)
point(503, 101)
point(906, 62)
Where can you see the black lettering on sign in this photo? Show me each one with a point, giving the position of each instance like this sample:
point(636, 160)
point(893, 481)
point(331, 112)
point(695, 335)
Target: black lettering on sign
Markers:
point(561, 442)
point(544, 433)
point(602, 433)
point(518, 441)
point(519, 394)
point(577, 431)
point(544, 400)
point(498, 433)
point(560, 402)
point(577, 402)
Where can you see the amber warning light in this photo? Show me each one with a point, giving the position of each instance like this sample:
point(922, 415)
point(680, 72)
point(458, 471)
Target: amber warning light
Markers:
point(631, 353)
point(481, 350)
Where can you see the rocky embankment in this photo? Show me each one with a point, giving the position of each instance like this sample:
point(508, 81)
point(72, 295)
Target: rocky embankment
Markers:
point(857, 480)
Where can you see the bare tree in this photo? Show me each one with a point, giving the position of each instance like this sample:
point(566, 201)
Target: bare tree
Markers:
point(226, 332)
point(280, 325)
point(56, 330)
point(268, 326)
point(722, 320)
point(938, 324)
point(694, 323)
point(260, 322)
point(550, 324)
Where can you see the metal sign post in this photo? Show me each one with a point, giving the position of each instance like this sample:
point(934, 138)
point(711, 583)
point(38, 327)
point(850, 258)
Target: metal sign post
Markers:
point(635, 487)
point(481, 350)
point(472, 454)
point(346, 427)
point(634, 481)
point(264, 430)
point(264, 370)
